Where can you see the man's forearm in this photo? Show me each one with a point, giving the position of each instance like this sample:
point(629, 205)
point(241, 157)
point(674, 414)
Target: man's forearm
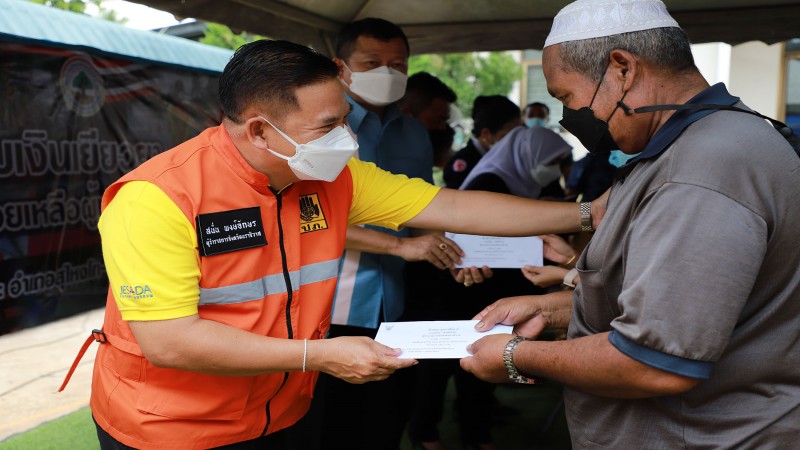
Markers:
point(591, 364)
point(214, 348)
point(558, 309)
point(487, 213)
point(371, 241)
point(210, 347)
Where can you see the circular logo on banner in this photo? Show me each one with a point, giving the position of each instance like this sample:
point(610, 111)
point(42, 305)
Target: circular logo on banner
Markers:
point(82, 86)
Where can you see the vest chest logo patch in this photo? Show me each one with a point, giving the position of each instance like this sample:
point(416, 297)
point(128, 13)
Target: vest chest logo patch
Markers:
point(312, 217)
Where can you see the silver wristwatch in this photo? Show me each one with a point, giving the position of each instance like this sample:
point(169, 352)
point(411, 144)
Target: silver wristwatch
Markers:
point(586, 216)
point(508, 361)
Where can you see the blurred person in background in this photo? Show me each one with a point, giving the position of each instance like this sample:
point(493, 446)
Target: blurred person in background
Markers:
point(536, 114)
point(493, 117)
point(521, 163)
point(428, 100)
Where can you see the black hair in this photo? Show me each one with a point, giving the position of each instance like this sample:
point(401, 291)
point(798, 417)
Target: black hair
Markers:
point(539, 104)
point(267, 73)
point(492, 112)
point(422, 88)
point(442, 139)
point(380, 29)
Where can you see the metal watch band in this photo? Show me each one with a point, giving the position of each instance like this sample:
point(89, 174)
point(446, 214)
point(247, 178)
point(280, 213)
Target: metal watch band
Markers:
point(586, 216)
point(508, 361)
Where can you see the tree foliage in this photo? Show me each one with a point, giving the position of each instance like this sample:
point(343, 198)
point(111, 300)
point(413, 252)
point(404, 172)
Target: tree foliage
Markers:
point(79, 6)
point(221, 36)
point(470, 74)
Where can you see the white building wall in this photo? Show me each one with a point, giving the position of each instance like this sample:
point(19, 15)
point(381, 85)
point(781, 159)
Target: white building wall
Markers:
point(516, 90)
point(713, 60)
point(756, 76)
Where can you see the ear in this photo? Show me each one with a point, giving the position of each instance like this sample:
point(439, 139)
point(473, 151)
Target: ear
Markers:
point(256, 132)
point(484, 135)
point(343, 72)
point(624, 68)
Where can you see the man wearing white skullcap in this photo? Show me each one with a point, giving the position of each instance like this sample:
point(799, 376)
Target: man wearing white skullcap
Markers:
point(684, 331)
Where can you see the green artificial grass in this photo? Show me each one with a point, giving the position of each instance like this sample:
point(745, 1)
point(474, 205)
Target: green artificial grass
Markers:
point(74, 431)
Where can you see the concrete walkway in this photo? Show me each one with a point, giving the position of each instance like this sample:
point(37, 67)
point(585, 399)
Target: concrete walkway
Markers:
point(33, 363)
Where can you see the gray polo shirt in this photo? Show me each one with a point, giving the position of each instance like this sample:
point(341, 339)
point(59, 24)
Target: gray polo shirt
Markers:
point(696, 270)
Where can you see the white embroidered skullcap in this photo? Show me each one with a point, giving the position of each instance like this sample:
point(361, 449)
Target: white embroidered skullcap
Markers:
point(587, 19)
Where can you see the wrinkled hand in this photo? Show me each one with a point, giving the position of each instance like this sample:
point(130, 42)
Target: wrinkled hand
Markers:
point(471, 275)
point(356, 359)
point(599, 206)
point(544, 276)
point(486, 361)
point(434, 248)
point(556, 249)
point(522, 312)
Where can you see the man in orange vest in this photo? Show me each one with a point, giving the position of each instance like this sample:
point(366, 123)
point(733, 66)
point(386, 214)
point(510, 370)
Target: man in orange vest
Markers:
point(223, 255)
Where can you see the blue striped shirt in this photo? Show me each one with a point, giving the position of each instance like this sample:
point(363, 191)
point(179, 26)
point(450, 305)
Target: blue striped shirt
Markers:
point(370, 286)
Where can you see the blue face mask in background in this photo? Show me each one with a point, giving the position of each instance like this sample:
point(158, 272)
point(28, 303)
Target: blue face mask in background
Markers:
point(531, 122)
point(619, 159)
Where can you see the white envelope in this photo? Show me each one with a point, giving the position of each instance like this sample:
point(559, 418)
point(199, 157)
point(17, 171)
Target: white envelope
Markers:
point(438, 339)
point(499, 252)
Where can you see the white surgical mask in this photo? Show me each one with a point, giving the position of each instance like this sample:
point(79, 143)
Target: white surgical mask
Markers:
point(380, 86)
point(546, 174)
point(323, 158)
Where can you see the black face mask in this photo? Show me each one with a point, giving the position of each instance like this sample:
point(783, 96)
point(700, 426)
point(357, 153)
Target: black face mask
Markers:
point(591, 131)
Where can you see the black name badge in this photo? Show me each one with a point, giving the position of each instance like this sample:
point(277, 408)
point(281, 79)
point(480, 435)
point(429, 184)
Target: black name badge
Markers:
point(229, 231)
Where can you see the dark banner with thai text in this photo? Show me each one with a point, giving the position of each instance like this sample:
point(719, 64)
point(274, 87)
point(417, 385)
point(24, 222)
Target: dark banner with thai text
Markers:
point(71, 123)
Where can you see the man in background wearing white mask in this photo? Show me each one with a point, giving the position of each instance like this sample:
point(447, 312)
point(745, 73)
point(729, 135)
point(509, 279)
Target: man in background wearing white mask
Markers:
point(372, 55)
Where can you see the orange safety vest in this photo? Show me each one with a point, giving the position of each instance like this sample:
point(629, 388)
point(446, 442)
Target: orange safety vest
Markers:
point(283, 289)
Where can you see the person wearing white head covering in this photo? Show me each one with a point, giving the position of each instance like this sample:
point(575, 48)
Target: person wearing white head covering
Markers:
point(587, 19)
point(526, 160)
point(684, 331)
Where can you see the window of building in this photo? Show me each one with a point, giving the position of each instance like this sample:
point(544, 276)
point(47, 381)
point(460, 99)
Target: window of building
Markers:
point(793, 85)
point(534, 86)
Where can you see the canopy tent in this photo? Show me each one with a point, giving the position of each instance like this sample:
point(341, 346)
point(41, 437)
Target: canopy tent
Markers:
point(444, 26)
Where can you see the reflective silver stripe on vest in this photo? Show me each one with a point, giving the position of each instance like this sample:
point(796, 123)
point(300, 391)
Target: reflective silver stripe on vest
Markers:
point(270, 284)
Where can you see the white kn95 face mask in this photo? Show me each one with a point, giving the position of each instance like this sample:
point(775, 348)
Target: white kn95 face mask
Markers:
point(323, 158)
point(380, 86)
